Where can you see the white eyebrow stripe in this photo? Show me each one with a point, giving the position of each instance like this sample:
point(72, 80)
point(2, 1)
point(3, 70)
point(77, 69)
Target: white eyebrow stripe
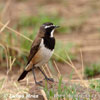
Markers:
point(48, 26)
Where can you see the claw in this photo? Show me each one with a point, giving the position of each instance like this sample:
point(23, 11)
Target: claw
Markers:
point(50, 79)
point(39, 83)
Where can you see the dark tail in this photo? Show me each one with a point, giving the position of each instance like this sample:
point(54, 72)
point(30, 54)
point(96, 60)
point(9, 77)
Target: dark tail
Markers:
point(22, 76)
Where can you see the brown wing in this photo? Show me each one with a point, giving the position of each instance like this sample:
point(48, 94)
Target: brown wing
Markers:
point(36, 59)
point(34, 49)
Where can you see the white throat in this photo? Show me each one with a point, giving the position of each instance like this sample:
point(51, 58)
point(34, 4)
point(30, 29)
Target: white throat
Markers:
point(51, 35)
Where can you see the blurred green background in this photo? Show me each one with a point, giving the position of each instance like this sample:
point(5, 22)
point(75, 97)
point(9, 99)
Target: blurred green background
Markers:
point(80, 29)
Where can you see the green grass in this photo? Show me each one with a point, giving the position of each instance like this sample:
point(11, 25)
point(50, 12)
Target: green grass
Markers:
point(1, 7)
point(35, 21)
point(95, 84)
point(63, 92)
point(93, 70)
point(61, 49)
point(1, 82)
point(60, 92)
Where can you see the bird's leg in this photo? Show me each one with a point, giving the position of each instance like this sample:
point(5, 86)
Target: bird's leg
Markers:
point(38, 83)
point(50, 79)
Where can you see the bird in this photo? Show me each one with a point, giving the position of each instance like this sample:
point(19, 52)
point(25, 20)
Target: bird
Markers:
point(41, 51)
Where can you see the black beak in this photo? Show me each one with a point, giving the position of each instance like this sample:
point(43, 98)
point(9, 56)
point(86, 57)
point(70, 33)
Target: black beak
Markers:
point(57, 26)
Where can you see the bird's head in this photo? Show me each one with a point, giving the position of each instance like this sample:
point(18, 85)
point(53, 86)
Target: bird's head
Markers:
point(48, 29)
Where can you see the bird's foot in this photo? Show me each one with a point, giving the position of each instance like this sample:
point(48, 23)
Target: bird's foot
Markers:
point(38, 83)
point(49, 79)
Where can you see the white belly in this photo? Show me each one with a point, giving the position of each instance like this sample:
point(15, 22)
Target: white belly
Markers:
point(46, 55)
